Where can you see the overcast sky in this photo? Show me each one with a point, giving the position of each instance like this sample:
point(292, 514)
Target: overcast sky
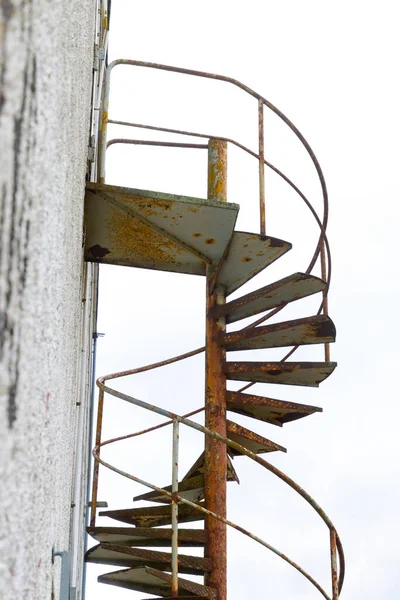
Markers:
point(332, 68)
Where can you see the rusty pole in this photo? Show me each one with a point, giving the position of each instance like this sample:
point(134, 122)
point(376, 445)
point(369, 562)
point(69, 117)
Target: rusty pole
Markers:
point(261, 166)
point(96, 465)
point(215, 401)
point(324, 294)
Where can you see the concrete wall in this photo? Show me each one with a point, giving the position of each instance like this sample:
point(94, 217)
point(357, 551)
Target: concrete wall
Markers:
point(46, 77)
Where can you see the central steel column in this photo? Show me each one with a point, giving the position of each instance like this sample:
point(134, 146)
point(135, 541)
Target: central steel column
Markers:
point(215, 401)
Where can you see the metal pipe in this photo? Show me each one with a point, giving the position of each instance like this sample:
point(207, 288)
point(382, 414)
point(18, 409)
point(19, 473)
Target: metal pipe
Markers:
point(334, 566)
point(104, 123)
point(96, 465)
point(261, 174)
point(154, 143)
point(215, 451)
point(217, 170)
point(324, 293)
point(174, 508)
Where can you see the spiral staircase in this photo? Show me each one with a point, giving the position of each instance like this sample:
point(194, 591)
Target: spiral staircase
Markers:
point(144, 229)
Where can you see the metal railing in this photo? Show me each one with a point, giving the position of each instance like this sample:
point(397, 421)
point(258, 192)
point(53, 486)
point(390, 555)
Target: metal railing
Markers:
point(321, 252)
point(322, 249)
point(336, 549)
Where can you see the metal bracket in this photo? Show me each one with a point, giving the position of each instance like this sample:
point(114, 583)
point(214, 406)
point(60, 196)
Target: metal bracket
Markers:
point(65, 573)
point(92, 149)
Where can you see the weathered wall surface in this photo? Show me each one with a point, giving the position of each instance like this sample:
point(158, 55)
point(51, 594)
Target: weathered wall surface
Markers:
point(46, 70)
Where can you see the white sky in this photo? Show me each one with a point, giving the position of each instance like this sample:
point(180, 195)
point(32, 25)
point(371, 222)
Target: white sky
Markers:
point(332, 68)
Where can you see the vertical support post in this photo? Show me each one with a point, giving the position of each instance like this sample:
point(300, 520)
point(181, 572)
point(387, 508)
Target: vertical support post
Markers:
point(334, 566)
point(95, 482)
point(261, 166)
point(217, 169)
point(103, 125)
point(324, 296)
point(174, 509)
point(215, 401)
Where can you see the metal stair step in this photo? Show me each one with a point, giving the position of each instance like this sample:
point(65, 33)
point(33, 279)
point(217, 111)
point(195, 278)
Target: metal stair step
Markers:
point(147, 536)
point(248, 254)
point(124, 556)
point(141, 228)
point(276, 412)
point(289, 289)
point(309, 374)
point(153, 581)
point(318, 329)
point(250, 440)
point(154, 516)
point(192, 485)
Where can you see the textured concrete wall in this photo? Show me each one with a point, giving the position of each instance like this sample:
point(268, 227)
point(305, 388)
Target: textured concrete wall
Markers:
point(46, 72)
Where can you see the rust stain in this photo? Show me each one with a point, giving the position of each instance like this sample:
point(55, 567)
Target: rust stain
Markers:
point(197, 235)
point(210, 241)
point(247, 259)
point(137, 240)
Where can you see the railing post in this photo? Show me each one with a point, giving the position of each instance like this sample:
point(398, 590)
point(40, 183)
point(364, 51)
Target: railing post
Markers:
point(96, 465)
point(217, 170)
point(174, 508)
point(334, 566)
point(324, 294)
point(261, 165)
point(104, 122)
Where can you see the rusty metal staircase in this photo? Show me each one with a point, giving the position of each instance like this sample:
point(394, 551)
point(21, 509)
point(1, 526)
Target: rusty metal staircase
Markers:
point(140, 228)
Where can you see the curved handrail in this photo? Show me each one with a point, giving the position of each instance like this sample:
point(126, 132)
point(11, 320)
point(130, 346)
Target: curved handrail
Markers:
point(261, 100)
point(184, 420)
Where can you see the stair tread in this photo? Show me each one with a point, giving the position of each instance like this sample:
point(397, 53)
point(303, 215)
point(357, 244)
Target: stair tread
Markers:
point(318, 329)
point(153, 581)
point(288, 289)
point(146, 536)
point(142, 228)
point(248, 254)
point(276, 412)
point(154, 516)
point(192, 485)
point(125, 556)
point(250, 440)
point(309, 374)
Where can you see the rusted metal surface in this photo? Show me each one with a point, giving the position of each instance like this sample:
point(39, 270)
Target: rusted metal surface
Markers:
point(95, 482)
point(154, 516)
point(309, 330)
point(310, 374)
point(147, 536)
point(215, 451)
point(174, 508)
point(125, 556)
point(217, 170)
point(188, 586)
point(249, 253)
point(155, 231)
point(325, 295)
point(250, 440)
point(276, 412)
point(198, 469)
point(261, 164)
point(334, 565)
point(282, 292)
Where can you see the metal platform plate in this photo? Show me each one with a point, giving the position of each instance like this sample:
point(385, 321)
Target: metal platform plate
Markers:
point(249, 253)
point(309, 374)
point(124, 556)
point(294, 287)
point(250, 440)
point(140, 228)
point(147, 536)
point(276, 412)
point(153, 516)
point(318, 329)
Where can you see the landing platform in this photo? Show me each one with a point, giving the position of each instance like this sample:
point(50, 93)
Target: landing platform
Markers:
point(152, 230)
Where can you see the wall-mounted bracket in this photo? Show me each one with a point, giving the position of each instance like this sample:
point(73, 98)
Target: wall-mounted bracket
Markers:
point(66, 592)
